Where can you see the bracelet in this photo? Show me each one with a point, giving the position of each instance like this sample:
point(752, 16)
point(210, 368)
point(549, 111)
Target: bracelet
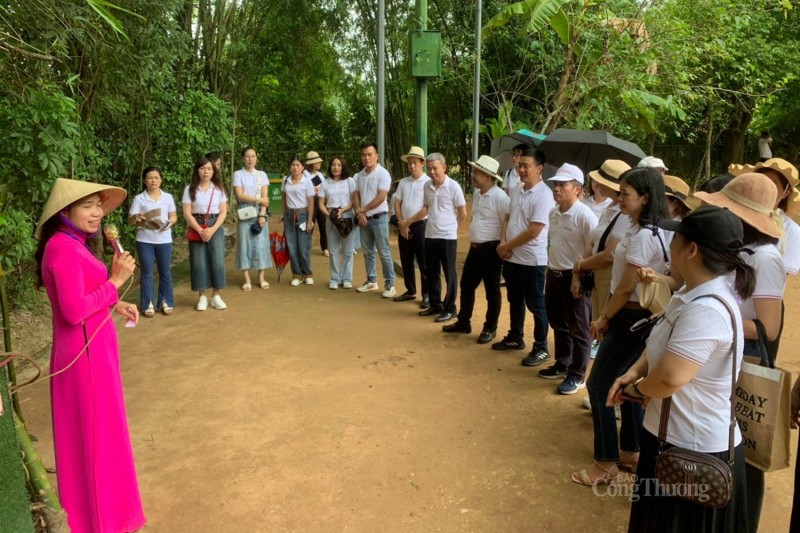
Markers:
point(635, 386)
point(262, 216)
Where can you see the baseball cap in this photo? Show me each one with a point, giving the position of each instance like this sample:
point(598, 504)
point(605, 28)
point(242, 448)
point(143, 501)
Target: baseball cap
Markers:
point(567, 172)
point(710, 226)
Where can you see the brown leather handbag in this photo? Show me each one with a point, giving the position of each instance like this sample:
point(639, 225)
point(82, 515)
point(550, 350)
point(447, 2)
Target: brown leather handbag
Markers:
point(697, 476)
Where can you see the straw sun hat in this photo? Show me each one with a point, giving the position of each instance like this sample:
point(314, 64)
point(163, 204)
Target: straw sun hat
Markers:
point(415, 151)
point(751, 197)
point(608, 174)
point(313, 157)
point(782, 167)
point(677, 188)
point(487, 165)
point(66, 192)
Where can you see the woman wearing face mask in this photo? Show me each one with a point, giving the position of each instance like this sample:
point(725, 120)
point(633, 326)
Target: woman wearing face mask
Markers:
point(94, 460)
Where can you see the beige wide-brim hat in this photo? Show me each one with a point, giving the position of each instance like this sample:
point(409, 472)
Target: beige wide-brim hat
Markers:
point(487, 165)
point(750, 197)
point(415, 151)
point(66, 192)
point(313, 157)
point(609, 173)
point(655, 295)
point(782, 167)
point(678, 189)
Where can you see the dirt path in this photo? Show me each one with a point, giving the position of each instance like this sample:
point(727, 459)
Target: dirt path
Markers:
point(304, 409)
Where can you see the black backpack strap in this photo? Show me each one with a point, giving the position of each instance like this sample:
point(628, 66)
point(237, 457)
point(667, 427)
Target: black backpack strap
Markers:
point(602, 245)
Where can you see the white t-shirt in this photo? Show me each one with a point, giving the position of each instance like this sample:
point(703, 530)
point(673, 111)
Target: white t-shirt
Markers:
point(443, 205)
point(410, 193)
point(605, 219)
point(510, 180)
point(527, 207)
point(770, 276)
point(297, 193)
point(337, 193)
point(488, 213)
point(368, 186)
point(791, 245)
point(764, 151)
point(202, 199)
point(250, 182)
point(598, 208)
point(699, 331)
point(641, 248)
point(570, 234)
point(141, 205)
point(311, 177)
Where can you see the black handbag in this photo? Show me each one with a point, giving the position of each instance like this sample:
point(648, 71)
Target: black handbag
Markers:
point(696, 476)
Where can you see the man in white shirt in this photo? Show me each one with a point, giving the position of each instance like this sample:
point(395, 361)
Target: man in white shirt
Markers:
point(411, 222)
point(512, 178)
point(523, 247)
point(571, 226)
point(490, 205)
point(446, 208)
point(369, 200)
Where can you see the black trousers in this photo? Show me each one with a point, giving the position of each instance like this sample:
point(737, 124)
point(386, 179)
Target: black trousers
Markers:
point(482, 265)
point(411, 249)
point(319, 222)
point(569, 319)
point(440, 254)
point(525, 289)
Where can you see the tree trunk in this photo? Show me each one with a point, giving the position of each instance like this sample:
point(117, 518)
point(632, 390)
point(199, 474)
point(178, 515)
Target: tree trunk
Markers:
point(733, 139)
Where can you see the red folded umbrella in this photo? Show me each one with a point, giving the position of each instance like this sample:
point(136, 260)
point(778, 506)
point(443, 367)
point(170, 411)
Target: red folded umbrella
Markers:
point(280, 252)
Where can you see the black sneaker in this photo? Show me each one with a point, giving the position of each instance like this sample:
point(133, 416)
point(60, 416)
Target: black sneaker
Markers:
point(535, 358)
point(509, 344)
point(486, 336)
point(552, 372)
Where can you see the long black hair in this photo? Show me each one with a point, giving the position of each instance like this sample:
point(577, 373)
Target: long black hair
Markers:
point(345, 169)
point(720, 262)
point(648, 181)
point(215, 178)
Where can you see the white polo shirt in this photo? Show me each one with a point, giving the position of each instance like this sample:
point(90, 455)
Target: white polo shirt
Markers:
point(770, 276)
point(527, 207)
point(311, 177)
point(443, 204)
point(621, 227)
point(510, 180)
point(337, 193)
point(141, 205)
point(700, 331)
point(297, 193)
point(202, 200)
point(603, 223)
point(411, 194)
point(368, 186)
point(598, 208)
point(488, 213)
point(251, 183)
point(791, 245)
point(641, 248)
point(570, 235)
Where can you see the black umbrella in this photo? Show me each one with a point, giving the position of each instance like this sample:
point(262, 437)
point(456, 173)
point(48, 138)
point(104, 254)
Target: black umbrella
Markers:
point(503, 147)
point(587, 149)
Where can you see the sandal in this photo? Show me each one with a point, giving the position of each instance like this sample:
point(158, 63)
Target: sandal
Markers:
point(628, 461)
point(167, 310)
point(246, 287)
point(264, 285)
point(581, 477)
point(150, 312)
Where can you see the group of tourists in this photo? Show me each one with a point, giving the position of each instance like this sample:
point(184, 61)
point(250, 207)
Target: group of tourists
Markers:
point(615, 255)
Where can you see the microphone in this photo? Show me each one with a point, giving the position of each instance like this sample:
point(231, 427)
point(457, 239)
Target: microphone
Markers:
point(112, 236)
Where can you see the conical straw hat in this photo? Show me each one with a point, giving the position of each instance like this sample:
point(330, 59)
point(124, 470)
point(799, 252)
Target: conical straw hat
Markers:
point(66, 192)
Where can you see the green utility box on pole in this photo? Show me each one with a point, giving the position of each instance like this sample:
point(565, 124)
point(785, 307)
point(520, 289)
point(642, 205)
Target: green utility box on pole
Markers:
point(426, 53)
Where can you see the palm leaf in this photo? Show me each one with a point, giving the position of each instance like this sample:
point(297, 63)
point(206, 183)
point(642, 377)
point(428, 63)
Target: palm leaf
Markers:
point(539, 13)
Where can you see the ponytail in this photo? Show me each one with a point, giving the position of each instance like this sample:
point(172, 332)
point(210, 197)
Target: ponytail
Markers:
point(745, 283)
point(722, 262)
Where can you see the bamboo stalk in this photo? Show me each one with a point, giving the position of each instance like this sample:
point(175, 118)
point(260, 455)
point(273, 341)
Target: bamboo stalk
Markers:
point(5, 309)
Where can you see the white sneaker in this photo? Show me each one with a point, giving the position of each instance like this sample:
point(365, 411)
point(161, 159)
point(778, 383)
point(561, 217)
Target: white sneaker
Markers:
point(296, 282)
point(333, 285)
point(309, 281)
point(217, 303)
point(202, 303)
point(347, 285)
point(389, 292)
point(368, 286)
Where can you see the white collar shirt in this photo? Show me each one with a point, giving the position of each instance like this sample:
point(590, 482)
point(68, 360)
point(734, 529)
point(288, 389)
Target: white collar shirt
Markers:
point(411, 195)
point(700, 331)
point(770, 276)
point(511, 180)
point(443, 204)
point(142, 203)
point(368, 186)
point(297, 193)
point(527, 207)
point(488, 213)
point(250, 182)
point(570, 235)
point(791, 245)
point(337, 193)
point(598, 208)
point(641, 247)
point(602, 224)
point(207, 201)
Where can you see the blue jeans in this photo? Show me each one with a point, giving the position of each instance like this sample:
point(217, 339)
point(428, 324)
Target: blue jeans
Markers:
point(525, 288)
point(161, 256)
point(207, 260)
point(620, 348)
point(341, 270)
point(299, 243)
point(376, 234)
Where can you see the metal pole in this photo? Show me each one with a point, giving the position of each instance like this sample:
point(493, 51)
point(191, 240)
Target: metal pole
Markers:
point(381, 103)
point(421, 102)
point(476, 92)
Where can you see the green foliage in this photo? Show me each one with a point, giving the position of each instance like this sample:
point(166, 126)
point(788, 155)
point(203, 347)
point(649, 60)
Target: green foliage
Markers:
point(539, 14)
